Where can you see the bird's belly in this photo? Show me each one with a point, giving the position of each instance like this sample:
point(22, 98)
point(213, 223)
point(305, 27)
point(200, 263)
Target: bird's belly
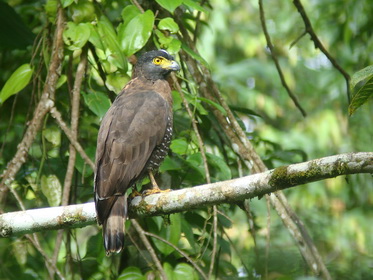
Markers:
point(160, 151)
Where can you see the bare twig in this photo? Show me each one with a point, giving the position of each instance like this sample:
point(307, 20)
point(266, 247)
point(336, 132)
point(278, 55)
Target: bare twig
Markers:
point(207, 172)
point(49, 263)
point(193, 263)
point(319, 45)
point(138, 5)
point(57, 115)
point(72, 152)
point(277, 63)
point(149, 247)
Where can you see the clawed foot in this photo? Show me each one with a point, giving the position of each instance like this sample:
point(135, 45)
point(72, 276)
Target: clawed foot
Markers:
point(153, 191)
point(135, 193)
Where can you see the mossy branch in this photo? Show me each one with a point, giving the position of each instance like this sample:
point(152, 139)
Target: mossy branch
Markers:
point(230, 191)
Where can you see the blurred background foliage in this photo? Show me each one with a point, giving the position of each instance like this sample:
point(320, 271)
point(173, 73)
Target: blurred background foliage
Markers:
point(337, 212)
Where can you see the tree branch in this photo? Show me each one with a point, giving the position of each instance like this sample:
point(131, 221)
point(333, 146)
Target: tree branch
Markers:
point(319, 45)
point(230, 191)
point(275, 60)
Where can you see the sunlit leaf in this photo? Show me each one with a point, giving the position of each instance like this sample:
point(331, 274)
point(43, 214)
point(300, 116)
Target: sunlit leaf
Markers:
point(17, 81)
point(168, 24)
point(134, 36)
point(170, 5)
point(52, 189)
point(97, 102)
point(361, 75)
point(362, 96)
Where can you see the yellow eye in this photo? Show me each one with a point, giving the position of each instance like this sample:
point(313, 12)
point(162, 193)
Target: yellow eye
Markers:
point(157, 60)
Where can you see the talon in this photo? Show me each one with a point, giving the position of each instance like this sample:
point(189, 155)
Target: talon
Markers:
point(154, 191)
point(134, 193)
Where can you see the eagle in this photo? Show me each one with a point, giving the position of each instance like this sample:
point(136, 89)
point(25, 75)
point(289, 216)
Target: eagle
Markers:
point(133, 139)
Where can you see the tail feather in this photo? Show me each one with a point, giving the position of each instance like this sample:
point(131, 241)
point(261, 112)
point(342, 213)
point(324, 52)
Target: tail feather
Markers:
point(113, 227)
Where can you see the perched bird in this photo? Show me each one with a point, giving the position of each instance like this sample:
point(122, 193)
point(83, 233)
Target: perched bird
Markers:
point(133, 139)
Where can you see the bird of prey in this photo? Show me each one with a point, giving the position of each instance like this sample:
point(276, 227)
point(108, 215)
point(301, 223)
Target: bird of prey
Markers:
point(133, 139)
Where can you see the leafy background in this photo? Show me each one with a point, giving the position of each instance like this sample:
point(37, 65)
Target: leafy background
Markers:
point(230, 41)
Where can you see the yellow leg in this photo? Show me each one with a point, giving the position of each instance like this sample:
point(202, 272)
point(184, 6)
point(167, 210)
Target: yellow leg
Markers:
point(155, 188)
point(154, 183)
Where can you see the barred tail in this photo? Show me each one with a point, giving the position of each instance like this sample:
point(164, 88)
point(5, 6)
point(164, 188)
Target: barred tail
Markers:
point(113, 227)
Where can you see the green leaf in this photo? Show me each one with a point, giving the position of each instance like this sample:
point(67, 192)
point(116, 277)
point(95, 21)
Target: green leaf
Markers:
point(83, 11)
point(128, 13)
point(214, 104)
point(111, 44)
point(82, 166)
point(194, 100)
point(179, 146)
point(170, 5)
point(195, 55)
point(53, 135)
point(168, 24)
point(97, 102)
point(134, 36)
point(168, 269)
point(177, 101)
point(116, 81)
point(361, 75)
point(76, 36)
point(223, 172)
point(131, 273)
point(188, 232)
point(169, 164)
point(362, 96)
point(51, 7)
point(61, 80)
point(185, 271)
point(52, 189)
point(171, 233)
point(66, 3)
point(17, 81)
point(194, 5)
point(174, 46)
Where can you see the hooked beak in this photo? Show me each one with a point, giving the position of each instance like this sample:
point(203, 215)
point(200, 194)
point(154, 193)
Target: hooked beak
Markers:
point(171, 65)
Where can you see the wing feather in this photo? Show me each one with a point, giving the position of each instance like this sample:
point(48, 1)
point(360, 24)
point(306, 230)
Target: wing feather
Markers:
point(133, 126)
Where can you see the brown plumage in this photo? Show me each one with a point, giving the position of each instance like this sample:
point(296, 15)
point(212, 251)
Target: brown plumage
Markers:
point(134, 137)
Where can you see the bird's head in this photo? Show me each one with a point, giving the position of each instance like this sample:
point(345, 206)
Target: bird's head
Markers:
point(155, 65)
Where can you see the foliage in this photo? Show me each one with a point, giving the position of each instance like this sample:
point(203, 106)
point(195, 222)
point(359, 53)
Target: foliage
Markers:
point(230, 42)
